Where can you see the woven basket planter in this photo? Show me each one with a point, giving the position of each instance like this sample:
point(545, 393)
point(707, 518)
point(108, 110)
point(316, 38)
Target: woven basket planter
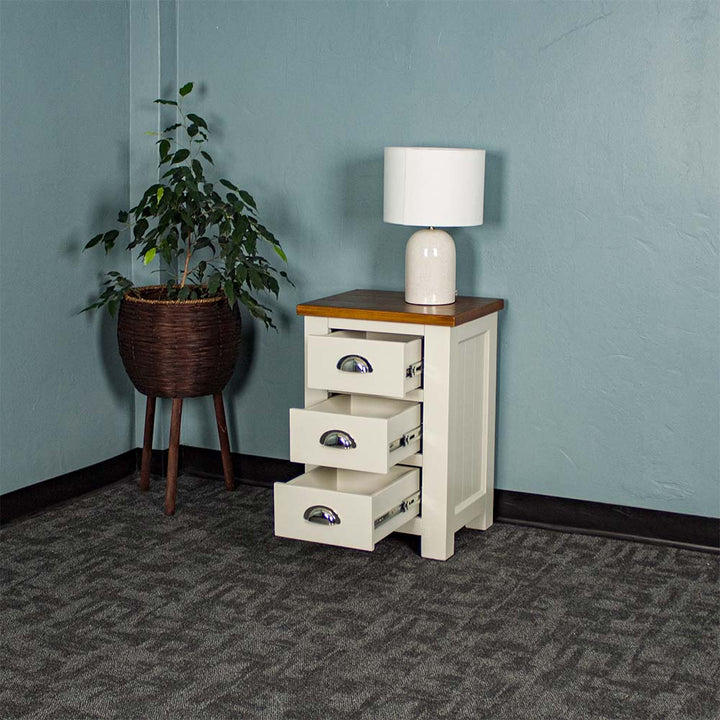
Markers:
point(177, 349)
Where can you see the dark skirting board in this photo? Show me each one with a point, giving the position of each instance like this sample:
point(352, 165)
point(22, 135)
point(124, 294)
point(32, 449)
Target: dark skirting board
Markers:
point(553, 513)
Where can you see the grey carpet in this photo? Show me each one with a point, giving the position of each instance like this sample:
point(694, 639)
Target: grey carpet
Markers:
point(111, 610)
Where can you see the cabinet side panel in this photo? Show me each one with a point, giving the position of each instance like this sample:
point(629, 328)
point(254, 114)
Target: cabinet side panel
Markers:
point(467, 429)
point(472, 426)
point(466, 423)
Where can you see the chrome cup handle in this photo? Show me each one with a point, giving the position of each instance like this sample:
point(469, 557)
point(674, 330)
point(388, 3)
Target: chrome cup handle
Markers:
point(354, 364)
point(337, 439)
point(321, 515)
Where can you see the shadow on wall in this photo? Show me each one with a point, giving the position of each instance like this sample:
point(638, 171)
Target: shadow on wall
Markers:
point(469, 271)
point(246, 355)
point(118, 380)
point(362, 189)
point(494, 187)
point(376, 247)
point(244, 367)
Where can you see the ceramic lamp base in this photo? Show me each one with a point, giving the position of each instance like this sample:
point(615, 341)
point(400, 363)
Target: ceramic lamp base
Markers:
point(430, 268)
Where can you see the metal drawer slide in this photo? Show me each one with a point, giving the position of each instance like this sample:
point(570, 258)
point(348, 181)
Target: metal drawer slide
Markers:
point(406, 439)
point(415, 369)
point(404, 506)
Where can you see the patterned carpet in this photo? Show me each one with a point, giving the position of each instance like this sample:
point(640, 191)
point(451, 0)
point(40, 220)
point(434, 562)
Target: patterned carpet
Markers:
point(111, 610)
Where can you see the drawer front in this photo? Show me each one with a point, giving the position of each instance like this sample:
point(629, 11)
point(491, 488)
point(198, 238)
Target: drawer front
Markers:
point(355, 432)
point(367, 363)
point(346, 508)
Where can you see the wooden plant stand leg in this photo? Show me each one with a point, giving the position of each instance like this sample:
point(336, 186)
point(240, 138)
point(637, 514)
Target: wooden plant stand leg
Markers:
point(173, 452)
point(224, 441)
point(147, 443)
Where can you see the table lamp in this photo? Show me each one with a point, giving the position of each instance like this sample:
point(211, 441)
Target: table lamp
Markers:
point(432, 187)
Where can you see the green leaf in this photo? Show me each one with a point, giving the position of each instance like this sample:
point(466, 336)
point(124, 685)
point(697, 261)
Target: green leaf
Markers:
point(94, 241)
point(280, 252)
point(164, 148)
point(184, 293)
point(140, 227)
point(172, 127)
point(186, 89)
point(160, 193)
point(166, 102)
point(181, 155)
point(229, 291)
point(166, 253)
point(248, 199)
point(149, 256)
point(214, 283)
point(229, 185)
point(207, 157)
point(109, 239)
point(267, 235)
point(197, 120)
point(255, 279)
point(198, 169)
point(122, 216)
point(192, 130)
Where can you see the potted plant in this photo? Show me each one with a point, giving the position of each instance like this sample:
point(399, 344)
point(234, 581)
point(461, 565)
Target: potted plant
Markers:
point(180, 339)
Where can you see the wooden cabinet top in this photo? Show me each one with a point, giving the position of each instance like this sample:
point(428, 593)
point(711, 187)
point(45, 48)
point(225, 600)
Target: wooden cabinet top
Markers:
point(390, 306)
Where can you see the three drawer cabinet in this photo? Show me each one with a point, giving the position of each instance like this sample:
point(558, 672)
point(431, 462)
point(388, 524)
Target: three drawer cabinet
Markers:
point(398, 428)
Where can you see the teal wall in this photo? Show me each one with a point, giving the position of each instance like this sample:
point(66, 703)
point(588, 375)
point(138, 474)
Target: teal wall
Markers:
point(64, 400)
point(601, 126)
point(602, 213)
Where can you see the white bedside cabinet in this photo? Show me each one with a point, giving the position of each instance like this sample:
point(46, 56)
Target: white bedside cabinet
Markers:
point(398, 428)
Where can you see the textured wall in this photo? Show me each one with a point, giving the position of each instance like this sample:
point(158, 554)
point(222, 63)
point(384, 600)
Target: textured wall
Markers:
point(64, 400)
point(601, 126)
point(602, 214)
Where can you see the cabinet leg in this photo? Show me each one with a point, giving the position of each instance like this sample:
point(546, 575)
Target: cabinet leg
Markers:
point(147, 443)
point(437, 546)
point(224, 441)
point(485, 519)
point(173, 452)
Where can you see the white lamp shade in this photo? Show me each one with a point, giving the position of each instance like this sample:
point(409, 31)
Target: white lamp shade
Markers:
point(434, 187)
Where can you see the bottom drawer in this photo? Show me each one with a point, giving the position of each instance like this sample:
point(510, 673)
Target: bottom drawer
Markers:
point(346, 507)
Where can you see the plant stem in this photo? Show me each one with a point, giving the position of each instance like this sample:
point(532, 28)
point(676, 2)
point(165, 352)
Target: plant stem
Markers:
point(188, 253)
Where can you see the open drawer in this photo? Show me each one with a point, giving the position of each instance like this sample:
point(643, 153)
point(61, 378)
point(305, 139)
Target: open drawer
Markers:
point(355, 432)
point(364, 362)
point(346, 508)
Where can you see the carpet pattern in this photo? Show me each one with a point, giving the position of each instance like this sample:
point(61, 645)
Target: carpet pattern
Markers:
point(111, 610)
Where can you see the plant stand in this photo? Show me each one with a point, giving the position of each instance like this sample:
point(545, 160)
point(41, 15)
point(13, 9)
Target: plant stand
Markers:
point(174, 448)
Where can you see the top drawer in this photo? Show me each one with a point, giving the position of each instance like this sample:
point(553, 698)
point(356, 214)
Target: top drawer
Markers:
point(364, 363)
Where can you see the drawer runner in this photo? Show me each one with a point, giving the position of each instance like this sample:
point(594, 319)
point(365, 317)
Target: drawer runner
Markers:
point(404, 506)
point(406, 439)
point(414, 369)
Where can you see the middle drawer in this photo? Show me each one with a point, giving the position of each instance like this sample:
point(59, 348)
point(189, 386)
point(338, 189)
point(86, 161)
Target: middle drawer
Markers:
point(355, 432)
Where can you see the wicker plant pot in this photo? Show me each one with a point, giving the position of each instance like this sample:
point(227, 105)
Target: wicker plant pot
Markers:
point(177, 349)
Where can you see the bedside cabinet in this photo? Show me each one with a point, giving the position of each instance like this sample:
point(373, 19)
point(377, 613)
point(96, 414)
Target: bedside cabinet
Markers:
point(398, 428)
